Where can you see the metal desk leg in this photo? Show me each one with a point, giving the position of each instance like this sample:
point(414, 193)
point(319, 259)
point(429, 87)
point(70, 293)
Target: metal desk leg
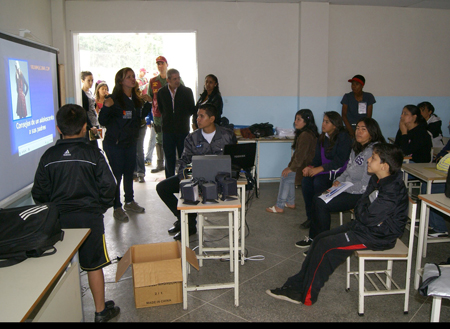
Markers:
point(236, 257)
point(231, 241)
point(243, 225)
point(425, 237)
point(184, 242)
point(420, 240)
point(436, 309)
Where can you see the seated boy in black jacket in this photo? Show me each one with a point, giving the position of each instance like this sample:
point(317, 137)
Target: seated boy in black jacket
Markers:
point(76, 177)
point(380, 218)
point(208, 139)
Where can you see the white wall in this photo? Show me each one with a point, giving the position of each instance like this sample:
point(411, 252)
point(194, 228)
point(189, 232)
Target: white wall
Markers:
point(24, 14)
point(274, 58)
point(244, 44)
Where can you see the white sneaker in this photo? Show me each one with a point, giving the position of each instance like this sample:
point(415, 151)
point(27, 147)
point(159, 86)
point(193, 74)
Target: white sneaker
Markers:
point(133, 206)
point(120, 215)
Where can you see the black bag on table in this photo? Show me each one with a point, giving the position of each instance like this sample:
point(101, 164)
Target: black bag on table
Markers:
point(261, 129)
point(28, 231)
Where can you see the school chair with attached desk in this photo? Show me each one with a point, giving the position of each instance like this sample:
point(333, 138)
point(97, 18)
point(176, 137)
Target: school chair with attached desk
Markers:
point(400, 252)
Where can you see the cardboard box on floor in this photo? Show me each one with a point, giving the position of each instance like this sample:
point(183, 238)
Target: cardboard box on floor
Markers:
point(157, 277)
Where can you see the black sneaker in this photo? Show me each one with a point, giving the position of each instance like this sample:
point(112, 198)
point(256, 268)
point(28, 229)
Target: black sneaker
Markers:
point(285, 293)
point(434, 234)
point(108, 313)
point(305, 243)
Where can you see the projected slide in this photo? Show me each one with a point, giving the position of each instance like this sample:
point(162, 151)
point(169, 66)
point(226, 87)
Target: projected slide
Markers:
point(31, 103)
point(28, 104)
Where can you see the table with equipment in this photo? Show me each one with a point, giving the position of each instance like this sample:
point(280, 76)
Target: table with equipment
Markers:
point(232, 208)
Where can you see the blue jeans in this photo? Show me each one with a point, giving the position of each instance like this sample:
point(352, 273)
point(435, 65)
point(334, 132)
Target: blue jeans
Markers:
point(286, 191)
point(436, 220)
point(151, 145)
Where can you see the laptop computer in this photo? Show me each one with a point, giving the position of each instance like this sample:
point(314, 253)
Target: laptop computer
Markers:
point(242, 155)
point(206, 167)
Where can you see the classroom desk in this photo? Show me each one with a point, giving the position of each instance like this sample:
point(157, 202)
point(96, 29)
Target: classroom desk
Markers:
point(231, 207)
point(439, 202)
point(426, 172)
point(45, 288)
point(258, 141)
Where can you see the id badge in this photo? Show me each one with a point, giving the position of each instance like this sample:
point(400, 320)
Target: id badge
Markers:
point(127, 114)
point(373, 196)
point(362, 108)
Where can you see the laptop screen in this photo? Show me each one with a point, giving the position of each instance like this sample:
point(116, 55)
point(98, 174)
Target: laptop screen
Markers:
point(242, 155)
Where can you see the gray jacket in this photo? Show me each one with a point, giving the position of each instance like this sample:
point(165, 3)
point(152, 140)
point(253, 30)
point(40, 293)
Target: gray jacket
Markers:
point(196, 144)
point(356, 171)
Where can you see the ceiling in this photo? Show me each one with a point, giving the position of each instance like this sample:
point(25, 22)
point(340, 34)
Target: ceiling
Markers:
point(432, 4)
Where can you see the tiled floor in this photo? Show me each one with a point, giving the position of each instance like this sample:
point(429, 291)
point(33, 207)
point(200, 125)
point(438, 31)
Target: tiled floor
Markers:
point(271, 258)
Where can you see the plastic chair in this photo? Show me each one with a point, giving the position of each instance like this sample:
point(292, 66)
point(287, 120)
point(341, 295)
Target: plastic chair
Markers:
point(399, 252)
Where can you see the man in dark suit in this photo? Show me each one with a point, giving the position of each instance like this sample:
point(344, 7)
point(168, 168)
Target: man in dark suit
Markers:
point(176, 104)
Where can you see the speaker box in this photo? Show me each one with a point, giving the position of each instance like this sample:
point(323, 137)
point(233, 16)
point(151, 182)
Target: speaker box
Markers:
point(183, 182)
point(190, 193)
point(209, 193)
point(229, 188)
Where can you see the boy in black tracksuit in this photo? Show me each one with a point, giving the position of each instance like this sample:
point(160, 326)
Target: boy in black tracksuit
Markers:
point(76, 177)
point(380, 218)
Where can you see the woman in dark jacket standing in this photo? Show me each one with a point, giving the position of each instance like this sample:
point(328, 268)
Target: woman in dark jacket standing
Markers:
point(330, 160)
point(210, 95)
point(121, 115)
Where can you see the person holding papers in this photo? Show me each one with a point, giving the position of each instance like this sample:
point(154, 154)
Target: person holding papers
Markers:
point(367, 134)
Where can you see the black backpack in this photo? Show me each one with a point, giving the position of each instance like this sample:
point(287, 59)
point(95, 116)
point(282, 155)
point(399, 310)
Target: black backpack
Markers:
point(28, 231)
point(261, 129)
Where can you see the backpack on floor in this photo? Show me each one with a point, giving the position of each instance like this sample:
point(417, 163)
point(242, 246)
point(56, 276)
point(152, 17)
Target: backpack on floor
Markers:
point(28, 231)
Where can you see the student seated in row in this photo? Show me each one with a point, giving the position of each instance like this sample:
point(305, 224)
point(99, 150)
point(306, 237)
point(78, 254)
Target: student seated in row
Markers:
point(434, 123)
point(209, 139)
point(380, 218)
point(304, 148)
point(76, 177)
point(330, 160)
point(412, 136)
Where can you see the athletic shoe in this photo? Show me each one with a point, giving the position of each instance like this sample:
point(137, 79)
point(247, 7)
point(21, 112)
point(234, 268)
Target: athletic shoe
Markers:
point(285, 293)
point(433, 234)
point(157, 169)
point(148, 163)
point(141, 179)
point(108, 313)
point(133, 206)
point(304, 243)
point(120, 215)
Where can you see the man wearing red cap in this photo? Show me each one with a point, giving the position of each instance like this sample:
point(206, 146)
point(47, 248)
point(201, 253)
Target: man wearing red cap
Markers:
point(357, 104)
point(155, 84)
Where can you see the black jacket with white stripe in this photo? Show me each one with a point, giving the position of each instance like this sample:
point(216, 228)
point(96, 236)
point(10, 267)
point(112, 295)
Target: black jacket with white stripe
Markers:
point(75, 176)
